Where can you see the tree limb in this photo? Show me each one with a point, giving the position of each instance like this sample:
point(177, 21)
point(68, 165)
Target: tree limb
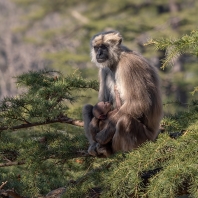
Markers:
point(11, 164)
point(3, 184)
point(62, 119)
point(10, 193)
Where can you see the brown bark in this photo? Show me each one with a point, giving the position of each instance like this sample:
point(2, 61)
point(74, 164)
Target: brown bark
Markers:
point(63, 119)
point(11, 164)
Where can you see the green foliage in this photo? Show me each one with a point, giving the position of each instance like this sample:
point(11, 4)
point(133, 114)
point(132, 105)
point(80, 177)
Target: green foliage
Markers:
point(175, 47)
point(55, 156)
point(67, 40)
point(48, 156)
point(165, 168)
point(184, 72)
point(45, 154)
point(52, 156)
point(47, 97)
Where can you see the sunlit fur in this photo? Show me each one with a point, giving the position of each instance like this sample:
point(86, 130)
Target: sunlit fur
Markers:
point(112, 40)
point(138, 84)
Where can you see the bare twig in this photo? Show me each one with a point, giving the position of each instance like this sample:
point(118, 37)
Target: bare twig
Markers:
point(6, 159)
point(3, 184)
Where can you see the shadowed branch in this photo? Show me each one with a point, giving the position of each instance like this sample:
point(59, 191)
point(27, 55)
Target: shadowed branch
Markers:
point(63, 119)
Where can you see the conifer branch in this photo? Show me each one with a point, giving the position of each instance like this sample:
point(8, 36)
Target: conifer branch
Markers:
point(63, 119)
point(175, 47)
point(11, 164)
point(46, 98)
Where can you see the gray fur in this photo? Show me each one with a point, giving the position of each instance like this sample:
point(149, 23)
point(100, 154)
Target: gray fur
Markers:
point(138, 84)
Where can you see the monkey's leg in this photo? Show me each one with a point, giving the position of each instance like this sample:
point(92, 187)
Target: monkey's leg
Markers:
point(109, 129)
point(130, 133)
point(87, 117)
point(92, 150)
point(104, 150)
point(94, 128)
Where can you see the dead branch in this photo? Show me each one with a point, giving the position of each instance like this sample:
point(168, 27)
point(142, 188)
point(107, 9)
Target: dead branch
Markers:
point(3, 184)
point(10, 193)
point(13, 194)
point(56, 193)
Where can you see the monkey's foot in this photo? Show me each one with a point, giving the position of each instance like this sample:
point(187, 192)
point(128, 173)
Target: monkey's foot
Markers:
point(92, 149)
point(103, 150)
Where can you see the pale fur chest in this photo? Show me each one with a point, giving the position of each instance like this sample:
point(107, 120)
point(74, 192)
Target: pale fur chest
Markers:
point(119, 85)
point(113, 80)
point(108, 81)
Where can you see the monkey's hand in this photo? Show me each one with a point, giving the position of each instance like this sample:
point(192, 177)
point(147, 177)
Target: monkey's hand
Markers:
point(105, 135)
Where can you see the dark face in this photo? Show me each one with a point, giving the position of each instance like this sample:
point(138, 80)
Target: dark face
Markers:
point(101, 53)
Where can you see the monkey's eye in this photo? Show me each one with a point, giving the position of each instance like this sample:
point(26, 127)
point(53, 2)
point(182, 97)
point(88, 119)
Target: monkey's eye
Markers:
point(103, 47)
point(96, 48)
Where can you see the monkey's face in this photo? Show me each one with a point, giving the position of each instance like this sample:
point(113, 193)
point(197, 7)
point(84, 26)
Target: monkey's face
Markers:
point(101, 53)
point(105, 48)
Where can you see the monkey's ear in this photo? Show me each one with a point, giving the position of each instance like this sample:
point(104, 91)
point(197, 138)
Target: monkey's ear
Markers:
point(113, 38)
point(115, 42)
point(120, 41)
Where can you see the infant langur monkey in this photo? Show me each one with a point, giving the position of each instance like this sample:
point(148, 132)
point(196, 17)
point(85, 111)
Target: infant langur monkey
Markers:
point(102, 116)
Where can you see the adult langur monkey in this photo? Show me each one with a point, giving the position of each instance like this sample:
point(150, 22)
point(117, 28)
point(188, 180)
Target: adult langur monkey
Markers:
point(138, 85)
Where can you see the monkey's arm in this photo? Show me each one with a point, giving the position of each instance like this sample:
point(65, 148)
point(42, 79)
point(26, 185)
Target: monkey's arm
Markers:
point(107, 133)
point(94, 127)
point(141, 93)
point(138, 81)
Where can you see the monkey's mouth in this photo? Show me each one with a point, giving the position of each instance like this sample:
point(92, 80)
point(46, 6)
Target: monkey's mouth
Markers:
point(101, 60)
point(102, 117)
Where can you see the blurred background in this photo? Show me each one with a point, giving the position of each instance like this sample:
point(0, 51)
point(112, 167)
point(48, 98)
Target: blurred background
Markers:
point(38, 34)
